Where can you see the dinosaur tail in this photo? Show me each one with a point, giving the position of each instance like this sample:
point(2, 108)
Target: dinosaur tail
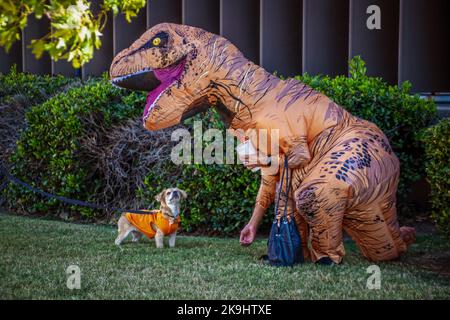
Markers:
point(408, 235)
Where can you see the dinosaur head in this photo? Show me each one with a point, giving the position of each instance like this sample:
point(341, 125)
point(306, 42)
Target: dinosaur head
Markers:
point(167, 62)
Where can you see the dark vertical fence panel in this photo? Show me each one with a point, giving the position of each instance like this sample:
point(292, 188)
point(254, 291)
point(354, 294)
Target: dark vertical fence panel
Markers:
point(424, 44)
point(325, 36)
point(102, 57)
point(63, 67)
point(14, 56)
point(204, 14)
point(35, 29)
point(239, 22)
point(288, 36)
point(163, 11)
point(281, 36)
point(125, 33)
point(377, 47)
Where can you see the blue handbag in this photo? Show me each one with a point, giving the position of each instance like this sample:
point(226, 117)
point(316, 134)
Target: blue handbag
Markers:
point(284, 244)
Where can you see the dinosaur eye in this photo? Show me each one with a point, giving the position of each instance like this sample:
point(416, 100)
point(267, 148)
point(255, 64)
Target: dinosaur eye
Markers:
point(159, 40)
point(156, 41)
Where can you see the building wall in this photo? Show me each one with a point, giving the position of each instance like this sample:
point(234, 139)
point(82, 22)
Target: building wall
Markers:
point(287, 36)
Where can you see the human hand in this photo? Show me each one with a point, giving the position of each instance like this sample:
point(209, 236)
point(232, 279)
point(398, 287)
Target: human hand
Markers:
point(248, 235)
point(253, 161)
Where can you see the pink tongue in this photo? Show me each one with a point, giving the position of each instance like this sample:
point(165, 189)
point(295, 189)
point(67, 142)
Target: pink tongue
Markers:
point(169, 73)
point(167, 76)
point(152, 95)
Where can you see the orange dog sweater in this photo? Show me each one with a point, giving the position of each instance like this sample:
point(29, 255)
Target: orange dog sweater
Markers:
point(143, 222)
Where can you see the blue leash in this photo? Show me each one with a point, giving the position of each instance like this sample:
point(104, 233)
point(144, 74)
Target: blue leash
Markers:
point(76, 202)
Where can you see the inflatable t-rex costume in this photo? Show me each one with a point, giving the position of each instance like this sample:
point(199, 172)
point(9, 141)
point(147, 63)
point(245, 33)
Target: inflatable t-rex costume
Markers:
point(344, 173)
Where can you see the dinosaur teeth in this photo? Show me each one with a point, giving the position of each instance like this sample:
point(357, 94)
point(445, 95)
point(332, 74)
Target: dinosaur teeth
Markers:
point(122, 78)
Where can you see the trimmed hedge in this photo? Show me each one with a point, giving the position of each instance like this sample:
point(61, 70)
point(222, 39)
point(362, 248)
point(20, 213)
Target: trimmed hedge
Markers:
point(30, 89)
point(220, 197)
point(19, 92)
point(436, 140)
point(48, 152)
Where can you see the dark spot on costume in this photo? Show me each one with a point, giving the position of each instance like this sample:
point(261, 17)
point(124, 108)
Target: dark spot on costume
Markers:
point(307, 202)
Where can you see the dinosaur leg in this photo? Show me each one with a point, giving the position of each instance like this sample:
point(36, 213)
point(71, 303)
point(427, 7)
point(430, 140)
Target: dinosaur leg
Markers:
point(322, 204)
point(374, 226)
point(302, 227)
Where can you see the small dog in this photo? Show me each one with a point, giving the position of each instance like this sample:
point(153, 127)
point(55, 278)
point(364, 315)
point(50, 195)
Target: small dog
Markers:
point(156, 224)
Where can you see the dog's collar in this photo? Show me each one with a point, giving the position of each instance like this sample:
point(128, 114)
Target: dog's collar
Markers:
point(170, 216)
point(169, 213)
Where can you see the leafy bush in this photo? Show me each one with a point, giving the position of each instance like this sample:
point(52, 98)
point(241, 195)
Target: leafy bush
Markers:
point(220, 197)
point(48, 153)
point(393, 109)
point(29, 89)
point(436, 140)
point(18, 92)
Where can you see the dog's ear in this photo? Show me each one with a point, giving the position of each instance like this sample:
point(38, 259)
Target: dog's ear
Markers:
point(183, 193)
point(160, 196)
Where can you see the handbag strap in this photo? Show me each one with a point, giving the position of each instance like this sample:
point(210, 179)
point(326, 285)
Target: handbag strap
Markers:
point(280, 189)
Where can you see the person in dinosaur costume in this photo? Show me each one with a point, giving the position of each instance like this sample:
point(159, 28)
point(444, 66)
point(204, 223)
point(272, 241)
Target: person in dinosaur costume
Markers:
point(344, 172)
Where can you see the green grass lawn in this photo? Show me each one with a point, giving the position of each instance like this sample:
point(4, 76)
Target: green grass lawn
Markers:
point(34, 255)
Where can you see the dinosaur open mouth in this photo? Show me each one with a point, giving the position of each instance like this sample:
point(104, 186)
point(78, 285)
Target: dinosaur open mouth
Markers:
point(168, 76)
point(154, 81)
